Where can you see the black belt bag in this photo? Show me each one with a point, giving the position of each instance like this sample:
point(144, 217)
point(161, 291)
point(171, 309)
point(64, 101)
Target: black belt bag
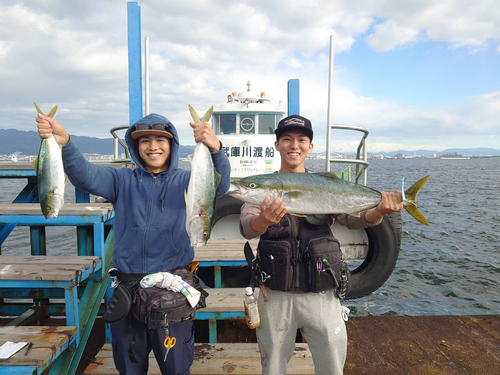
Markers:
point(124, 295)
point(160, 307)
point(155, 306)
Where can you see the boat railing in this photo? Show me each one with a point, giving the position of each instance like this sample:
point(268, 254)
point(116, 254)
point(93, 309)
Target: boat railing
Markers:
point(119, 141)
point(361, 160)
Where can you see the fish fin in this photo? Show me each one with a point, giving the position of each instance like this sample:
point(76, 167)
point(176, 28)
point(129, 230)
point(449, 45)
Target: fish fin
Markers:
point(65, 179)
point(357, 213)
point(218, 178)
point(194, 115)
point(190, 157)
point(186, 196)
point(295, 195)
point(38, 109)
point(410, 203)
point(197, 118)
point(207, 114)
point(329, 175)
point(35, 165)
point(299, 215)
point(52, 112)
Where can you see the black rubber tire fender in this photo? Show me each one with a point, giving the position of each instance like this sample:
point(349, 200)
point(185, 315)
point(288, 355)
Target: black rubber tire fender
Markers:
point(226, 205)
point(383, 251)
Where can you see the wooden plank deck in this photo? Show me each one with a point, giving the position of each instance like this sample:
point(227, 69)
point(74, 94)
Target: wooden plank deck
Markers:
point(45, 268)
point(69, 209)
point(210, 359)
point(377, 345)
point(47, 341)
point(223, 250)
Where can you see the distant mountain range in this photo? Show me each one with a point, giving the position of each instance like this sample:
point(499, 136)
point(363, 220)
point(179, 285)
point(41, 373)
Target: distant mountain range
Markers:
point(479, 151)
point(28, 142)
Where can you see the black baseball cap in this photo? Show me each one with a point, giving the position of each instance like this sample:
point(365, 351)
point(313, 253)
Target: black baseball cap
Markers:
point(294, 122)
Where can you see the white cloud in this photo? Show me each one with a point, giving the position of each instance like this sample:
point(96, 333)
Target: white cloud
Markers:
point(389, 35)
point(75, 55)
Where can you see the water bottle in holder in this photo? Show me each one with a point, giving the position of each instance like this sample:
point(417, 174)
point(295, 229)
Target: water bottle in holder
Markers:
point(251, 309)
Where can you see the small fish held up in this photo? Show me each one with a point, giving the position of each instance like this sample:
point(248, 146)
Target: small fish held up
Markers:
point(50, 174)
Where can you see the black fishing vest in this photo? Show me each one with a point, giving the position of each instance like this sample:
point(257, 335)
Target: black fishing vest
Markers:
point(309, 259)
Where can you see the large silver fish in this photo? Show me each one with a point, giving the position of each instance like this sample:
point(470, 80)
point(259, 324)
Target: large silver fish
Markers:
point(200, 199)
point(50, 174)
point(318, 193)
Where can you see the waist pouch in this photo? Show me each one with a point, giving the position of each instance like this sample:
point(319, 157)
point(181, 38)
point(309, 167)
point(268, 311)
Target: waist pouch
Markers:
point(276, 264)
point(120, 304)
point(321, 266)
point(323, 258)
point(160, 307)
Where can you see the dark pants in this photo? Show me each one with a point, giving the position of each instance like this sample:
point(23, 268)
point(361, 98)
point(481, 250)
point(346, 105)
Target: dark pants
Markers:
point(179, 357)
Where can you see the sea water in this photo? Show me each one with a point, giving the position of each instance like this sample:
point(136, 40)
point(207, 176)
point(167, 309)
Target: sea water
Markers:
point(451, 267)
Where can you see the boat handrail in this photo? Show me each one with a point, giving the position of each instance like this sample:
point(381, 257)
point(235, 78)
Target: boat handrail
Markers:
point(117, 140)
point(361, 161)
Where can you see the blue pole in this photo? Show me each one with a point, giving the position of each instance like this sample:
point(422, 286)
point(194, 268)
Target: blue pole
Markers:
point(134, 61)
point(293, 97)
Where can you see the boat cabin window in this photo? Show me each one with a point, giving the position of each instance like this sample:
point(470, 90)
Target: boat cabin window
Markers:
point(247, 123)
point(267, 123)
point(225, 124)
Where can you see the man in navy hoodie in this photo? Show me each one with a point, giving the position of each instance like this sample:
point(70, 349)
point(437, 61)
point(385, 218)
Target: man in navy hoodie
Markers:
point(149, 228)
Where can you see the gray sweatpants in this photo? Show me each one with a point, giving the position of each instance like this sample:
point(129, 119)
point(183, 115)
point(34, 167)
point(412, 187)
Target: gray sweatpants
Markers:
point(319, 318)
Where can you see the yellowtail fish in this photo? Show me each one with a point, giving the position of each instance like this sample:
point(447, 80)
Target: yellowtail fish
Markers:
point(318, 193)
point(203, 183)
point(50, 174)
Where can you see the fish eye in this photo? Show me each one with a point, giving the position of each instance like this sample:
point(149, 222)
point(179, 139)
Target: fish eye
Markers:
point(252, 185)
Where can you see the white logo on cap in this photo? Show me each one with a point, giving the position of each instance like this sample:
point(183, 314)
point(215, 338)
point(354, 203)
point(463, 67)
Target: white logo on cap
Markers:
point(295, 121)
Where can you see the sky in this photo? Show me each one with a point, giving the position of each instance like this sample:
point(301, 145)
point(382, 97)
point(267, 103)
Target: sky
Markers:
point(417, 74)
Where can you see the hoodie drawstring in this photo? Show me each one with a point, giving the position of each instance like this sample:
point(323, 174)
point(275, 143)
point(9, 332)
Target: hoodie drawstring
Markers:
point(162, 199)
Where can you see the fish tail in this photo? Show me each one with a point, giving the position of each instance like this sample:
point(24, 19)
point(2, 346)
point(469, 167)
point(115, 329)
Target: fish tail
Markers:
point(410, 202)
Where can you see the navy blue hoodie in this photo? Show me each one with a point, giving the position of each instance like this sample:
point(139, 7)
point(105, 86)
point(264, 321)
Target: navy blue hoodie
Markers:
point(150, 211)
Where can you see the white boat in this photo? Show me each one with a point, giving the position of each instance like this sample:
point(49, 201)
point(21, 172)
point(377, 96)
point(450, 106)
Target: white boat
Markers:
point(245, 125)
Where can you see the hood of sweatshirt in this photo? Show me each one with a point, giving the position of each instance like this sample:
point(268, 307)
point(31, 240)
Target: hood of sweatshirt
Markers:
point(153, 119)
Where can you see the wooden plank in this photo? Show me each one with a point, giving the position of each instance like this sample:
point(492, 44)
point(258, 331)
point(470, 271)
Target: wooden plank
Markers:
point(69, 209)
point(224, 244)
point(218, 255)
point(224, 249)
point(233, 358)
point(46, 341)
point(226, 299)
point(49, 272)
point(42, 260)
point(49, 268)
point(379, 345)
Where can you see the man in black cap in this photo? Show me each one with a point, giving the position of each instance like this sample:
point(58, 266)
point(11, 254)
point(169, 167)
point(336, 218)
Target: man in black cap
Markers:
point(294, 304)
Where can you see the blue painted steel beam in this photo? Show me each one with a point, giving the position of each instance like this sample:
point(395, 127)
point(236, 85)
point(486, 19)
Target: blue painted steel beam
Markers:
point(205, 315)
point(212, 331)
point(293, 97)
point(16, 309)
point(224, 263)
point(33, 293)
point(28, 195)
point(134, 61)
point(81, 196)
point(71, 220)
point(38, 240)
point(17, 173)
